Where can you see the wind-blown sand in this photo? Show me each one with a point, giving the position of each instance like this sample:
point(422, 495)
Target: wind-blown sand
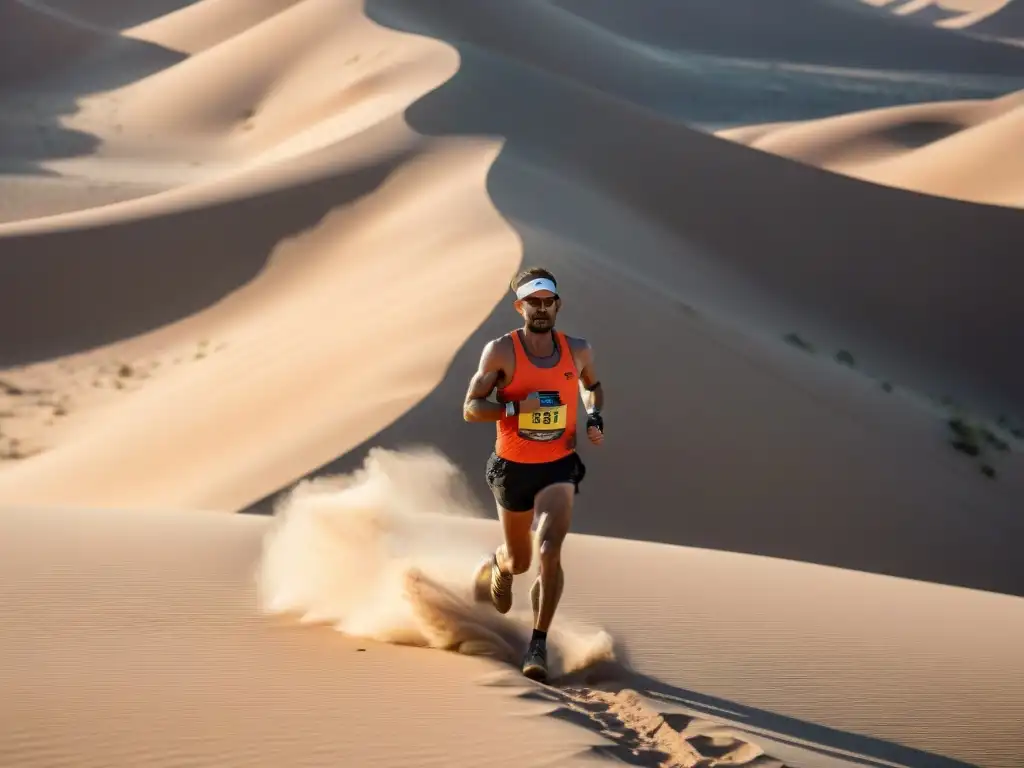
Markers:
point(250, 252)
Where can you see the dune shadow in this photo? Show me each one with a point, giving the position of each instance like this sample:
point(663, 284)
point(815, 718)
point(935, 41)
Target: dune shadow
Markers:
point(864, 266)
point(23, 152)
point(927, 16)
point(935, 14)
point(600, 698)
point(920, 133)
point(806, 31)
point(1006, 23)
point(47, 65)
point(718, 78)
point(143, 273)
point(756, 62)
point(119, 14)
point(147, 273)
point(734, 92)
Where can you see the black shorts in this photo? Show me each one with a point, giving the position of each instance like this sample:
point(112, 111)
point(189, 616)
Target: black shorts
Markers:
point(515, 484)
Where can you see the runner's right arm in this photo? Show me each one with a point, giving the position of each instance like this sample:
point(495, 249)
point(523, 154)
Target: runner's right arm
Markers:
point(477, 406)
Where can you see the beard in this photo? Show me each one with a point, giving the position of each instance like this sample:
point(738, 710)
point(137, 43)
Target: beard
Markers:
point(540, 324)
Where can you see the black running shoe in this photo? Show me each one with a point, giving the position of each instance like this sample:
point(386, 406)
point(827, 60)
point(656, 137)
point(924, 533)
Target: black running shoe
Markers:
point(535, 664)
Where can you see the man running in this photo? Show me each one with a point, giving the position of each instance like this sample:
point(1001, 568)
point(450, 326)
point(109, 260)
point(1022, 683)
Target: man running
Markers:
point(534, 468)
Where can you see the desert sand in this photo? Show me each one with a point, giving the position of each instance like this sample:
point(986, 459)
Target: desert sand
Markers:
point(960, 149)
point(955, 149)
point(250, 251)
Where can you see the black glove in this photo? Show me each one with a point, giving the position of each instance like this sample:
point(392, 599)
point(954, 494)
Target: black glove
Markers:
point(594, 420)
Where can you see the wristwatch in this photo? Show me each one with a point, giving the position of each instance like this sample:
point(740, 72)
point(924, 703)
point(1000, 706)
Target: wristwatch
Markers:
point(510, 408)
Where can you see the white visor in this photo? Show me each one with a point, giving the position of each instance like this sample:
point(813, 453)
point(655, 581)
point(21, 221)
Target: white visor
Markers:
point(540, 284)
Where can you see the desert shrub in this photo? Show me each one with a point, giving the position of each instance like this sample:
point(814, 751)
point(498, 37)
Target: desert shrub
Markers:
point(797, 341)
point(844, 357)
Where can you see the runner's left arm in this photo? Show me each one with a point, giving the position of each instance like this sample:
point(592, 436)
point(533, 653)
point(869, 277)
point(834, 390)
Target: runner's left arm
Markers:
point(590, 387)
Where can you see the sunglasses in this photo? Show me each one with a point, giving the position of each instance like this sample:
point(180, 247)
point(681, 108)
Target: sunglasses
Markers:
point(537, 303)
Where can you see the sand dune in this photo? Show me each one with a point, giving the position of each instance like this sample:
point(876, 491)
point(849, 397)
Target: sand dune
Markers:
point(844, 33)
point(246, 246)
point(62, 398)
point(285, 56)
point(198, 26)
point(960, 150)
point(165, 606)
point(197, 357)
point(49, 64)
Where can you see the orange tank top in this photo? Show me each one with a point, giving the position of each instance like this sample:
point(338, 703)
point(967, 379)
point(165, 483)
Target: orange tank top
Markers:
point(547, 434)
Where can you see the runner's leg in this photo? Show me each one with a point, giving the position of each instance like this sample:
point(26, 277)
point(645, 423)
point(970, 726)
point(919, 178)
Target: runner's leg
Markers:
point(554, 504)
point(516, 552)
point(511, 558)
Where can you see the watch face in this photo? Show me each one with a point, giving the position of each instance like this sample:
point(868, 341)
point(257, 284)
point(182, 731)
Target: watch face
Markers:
point(548, 399)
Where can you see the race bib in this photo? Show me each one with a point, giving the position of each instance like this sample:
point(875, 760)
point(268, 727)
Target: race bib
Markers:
point(546, 423)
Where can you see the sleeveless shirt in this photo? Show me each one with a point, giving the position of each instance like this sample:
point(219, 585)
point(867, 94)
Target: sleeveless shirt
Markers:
point(549, 433)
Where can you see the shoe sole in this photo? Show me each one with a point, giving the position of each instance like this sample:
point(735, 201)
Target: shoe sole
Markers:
point(536, 673)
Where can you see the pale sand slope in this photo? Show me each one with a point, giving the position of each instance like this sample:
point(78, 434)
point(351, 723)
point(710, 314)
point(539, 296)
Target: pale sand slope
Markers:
point(155, 649)
point(964, 150)
point(321, 262)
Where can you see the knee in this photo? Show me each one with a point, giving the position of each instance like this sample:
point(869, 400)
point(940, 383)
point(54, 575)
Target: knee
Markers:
point(550, 553)
point(519, 561)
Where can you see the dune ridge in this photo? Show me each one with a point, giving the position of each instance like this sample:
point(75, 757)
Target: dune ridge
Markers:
point(201, 25)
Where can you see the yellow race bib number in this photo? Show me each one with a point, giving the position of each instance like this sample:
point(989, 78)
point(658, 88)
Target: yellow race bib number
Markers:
point(544, 424)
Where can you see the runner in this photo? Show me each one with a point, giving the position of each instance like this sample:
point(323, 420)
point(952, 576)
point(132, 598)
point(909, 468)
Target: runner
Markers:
point(534, 467)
